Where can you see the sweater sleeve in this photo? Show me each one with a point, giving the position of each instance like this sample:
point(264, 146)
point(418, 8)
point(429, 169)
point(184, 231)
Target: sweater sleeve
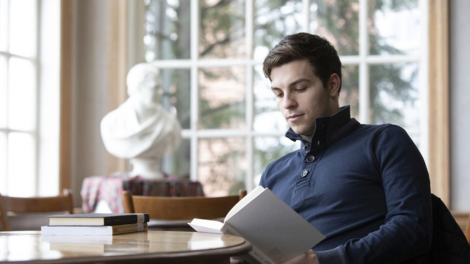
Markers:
point(407, 228)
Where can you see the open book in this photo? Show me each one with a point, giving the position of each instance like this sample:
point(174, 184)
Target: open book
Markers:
point(275, 230)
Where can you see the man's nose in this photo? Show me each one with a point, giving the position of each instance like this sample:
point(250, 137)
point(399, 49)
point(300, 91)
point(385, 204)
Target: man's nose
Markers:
point(289, 102)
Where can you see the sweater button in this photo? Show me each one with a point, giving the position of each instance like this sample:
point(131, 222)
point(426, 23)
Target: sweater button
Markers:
point(310, 158)
point(304, 173)
point(306, 148)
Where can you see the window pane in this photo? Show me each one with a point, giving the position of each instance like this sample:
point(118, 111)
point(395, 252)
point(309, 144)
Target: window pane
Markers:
point(273, 21)
point(179, 163)
point(222, 98)
point(3, 92)
point(23, 27)
point(21, 95)
point(394, 95)
point(167, 30)
point(222, 29)
point(394, 27)
point(222, 165)
point(267, 116)
point(349, 94)
point(3, 163)
point(177, 92)
point(337, 21)
point(267, 150)
point(21, 164)
point(3, 25)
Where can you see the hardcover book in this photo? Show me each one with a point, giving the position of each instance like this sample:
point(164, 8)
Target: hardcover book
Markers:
point(94, 219)
point(276, 232)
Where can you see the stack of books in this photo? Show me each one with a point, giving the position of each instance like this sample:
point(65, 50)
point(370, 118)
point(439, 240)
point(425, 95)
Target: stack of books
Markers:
point(95, 224)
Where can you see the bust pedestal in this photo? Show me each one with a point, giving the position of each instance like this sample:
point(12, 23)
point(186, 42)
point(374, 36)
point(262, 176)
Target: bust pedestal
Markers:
point(147, 168)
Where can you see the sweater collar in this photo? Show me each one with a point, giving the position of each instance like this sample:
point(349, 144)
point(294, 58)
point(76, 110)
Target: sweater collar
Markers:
point(330, 127)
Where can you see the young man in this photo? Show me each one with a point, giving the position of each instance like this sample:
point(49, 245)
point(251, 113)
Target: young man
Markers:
point(365, 187)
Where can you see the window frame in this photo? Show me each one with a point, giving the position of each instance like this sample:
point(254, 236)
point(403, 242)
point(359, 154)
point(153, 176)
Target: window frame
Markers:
point(430, 91)
point(65, 133)
point(45, 132)
point(34, 131)
point(438, 104)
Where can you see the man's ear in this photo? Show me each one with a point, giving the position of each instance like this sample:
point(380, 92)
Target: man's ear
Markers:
point(333, 85)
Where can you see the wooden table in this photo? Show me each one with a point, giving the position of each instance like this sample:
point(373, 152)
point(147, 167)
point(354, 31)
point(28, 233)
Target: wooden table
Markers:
point(141, 247)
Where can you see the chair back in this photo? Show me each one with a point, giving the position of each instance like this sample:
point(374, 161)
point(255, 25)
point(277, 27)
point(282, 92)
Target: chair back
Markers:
point(22, 205)
point(180, 208)
point(467, 230)
point(449, 244)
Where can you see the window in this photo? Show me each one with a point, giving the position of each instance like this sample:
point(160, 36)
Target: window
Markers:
point(211, 53)
point(29, 85)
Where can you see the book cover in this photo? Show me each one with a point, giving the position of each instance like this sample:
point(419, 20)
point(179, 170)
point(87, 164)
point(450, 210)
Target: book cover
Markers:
point(95, 219)
point(92, 230)
point(256, 255)
point(275, 230)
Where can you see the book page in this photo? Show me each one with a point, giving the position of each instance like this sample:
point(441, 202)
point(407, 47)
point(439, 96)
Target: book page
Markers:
point(274, 228)
point(246, 200)
point(206, 226)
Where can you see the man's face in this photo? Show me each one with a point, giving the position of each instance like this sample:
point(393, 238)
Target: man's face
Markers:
point(301, 96)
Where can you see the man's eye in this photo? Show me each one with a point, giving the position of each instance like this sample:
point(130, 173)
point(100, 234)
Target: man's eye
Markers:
point(279, 95)
point(301, 89)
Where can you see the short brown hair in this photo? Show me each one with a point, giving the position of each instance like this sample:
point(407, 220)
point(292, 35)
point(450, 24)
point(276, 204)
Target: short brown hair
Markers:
point(321, 55)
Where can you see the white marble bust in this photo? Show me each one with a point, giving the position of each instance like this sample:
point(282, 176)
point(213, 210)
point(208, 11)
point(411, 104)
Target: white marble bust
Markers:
point(140, 129)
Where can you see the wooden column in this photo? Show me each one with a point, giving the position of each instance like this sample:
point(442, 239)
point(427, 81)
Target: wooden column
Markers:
point(439, 168)
point(65, 133)
point(118, 54)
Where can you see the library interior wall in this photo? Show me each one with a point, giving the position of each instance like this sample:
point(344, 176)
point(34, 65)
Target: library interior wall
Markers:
point(89, 91)
point(459, 105)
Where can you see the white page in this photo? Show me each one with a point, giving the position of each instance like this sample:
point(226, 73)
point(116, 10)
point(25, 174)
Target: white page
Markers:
point(206, 226)
point(246, 200)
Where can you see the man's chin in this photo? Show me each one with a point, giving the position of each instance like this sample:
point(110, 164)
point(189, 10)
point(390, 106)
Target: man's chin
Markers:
point(296, 130)
point(301, 132)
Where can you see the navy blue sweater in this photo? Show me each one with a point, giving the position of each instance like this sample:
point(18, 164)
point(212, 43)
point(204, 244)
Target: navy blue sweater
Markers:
point(365, 187)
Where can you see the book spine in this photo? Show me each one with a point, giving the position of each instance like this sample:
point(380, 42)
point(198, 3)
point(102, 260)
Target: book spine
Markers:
point(131, 228)
point(126, 219)
point(255, 252)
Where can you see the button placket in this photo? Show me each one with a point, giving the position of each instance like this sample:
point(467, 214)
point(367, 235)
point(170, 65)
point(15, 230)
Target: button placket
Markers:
point(310, 158)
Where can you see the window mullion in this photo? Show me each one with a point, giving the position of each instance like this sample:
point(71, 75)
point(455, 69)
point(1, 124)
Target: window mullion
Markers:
point(36, 136)
point(306, 15)
point(194, 88)
point(249, 21)
point(423, 80)
point(4, 161)
point(5, 182)
point(363, 67)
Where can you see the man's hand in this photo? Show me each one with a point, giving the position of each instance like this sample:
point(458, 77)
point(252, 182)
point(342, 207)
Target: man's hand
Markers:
point(308, 258)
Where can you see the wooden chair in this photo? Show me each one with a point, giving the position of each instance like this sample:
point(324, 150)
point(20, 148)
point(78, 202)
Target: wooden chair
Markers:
point(467, 230)
point(181, 208)
point(20, 205)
